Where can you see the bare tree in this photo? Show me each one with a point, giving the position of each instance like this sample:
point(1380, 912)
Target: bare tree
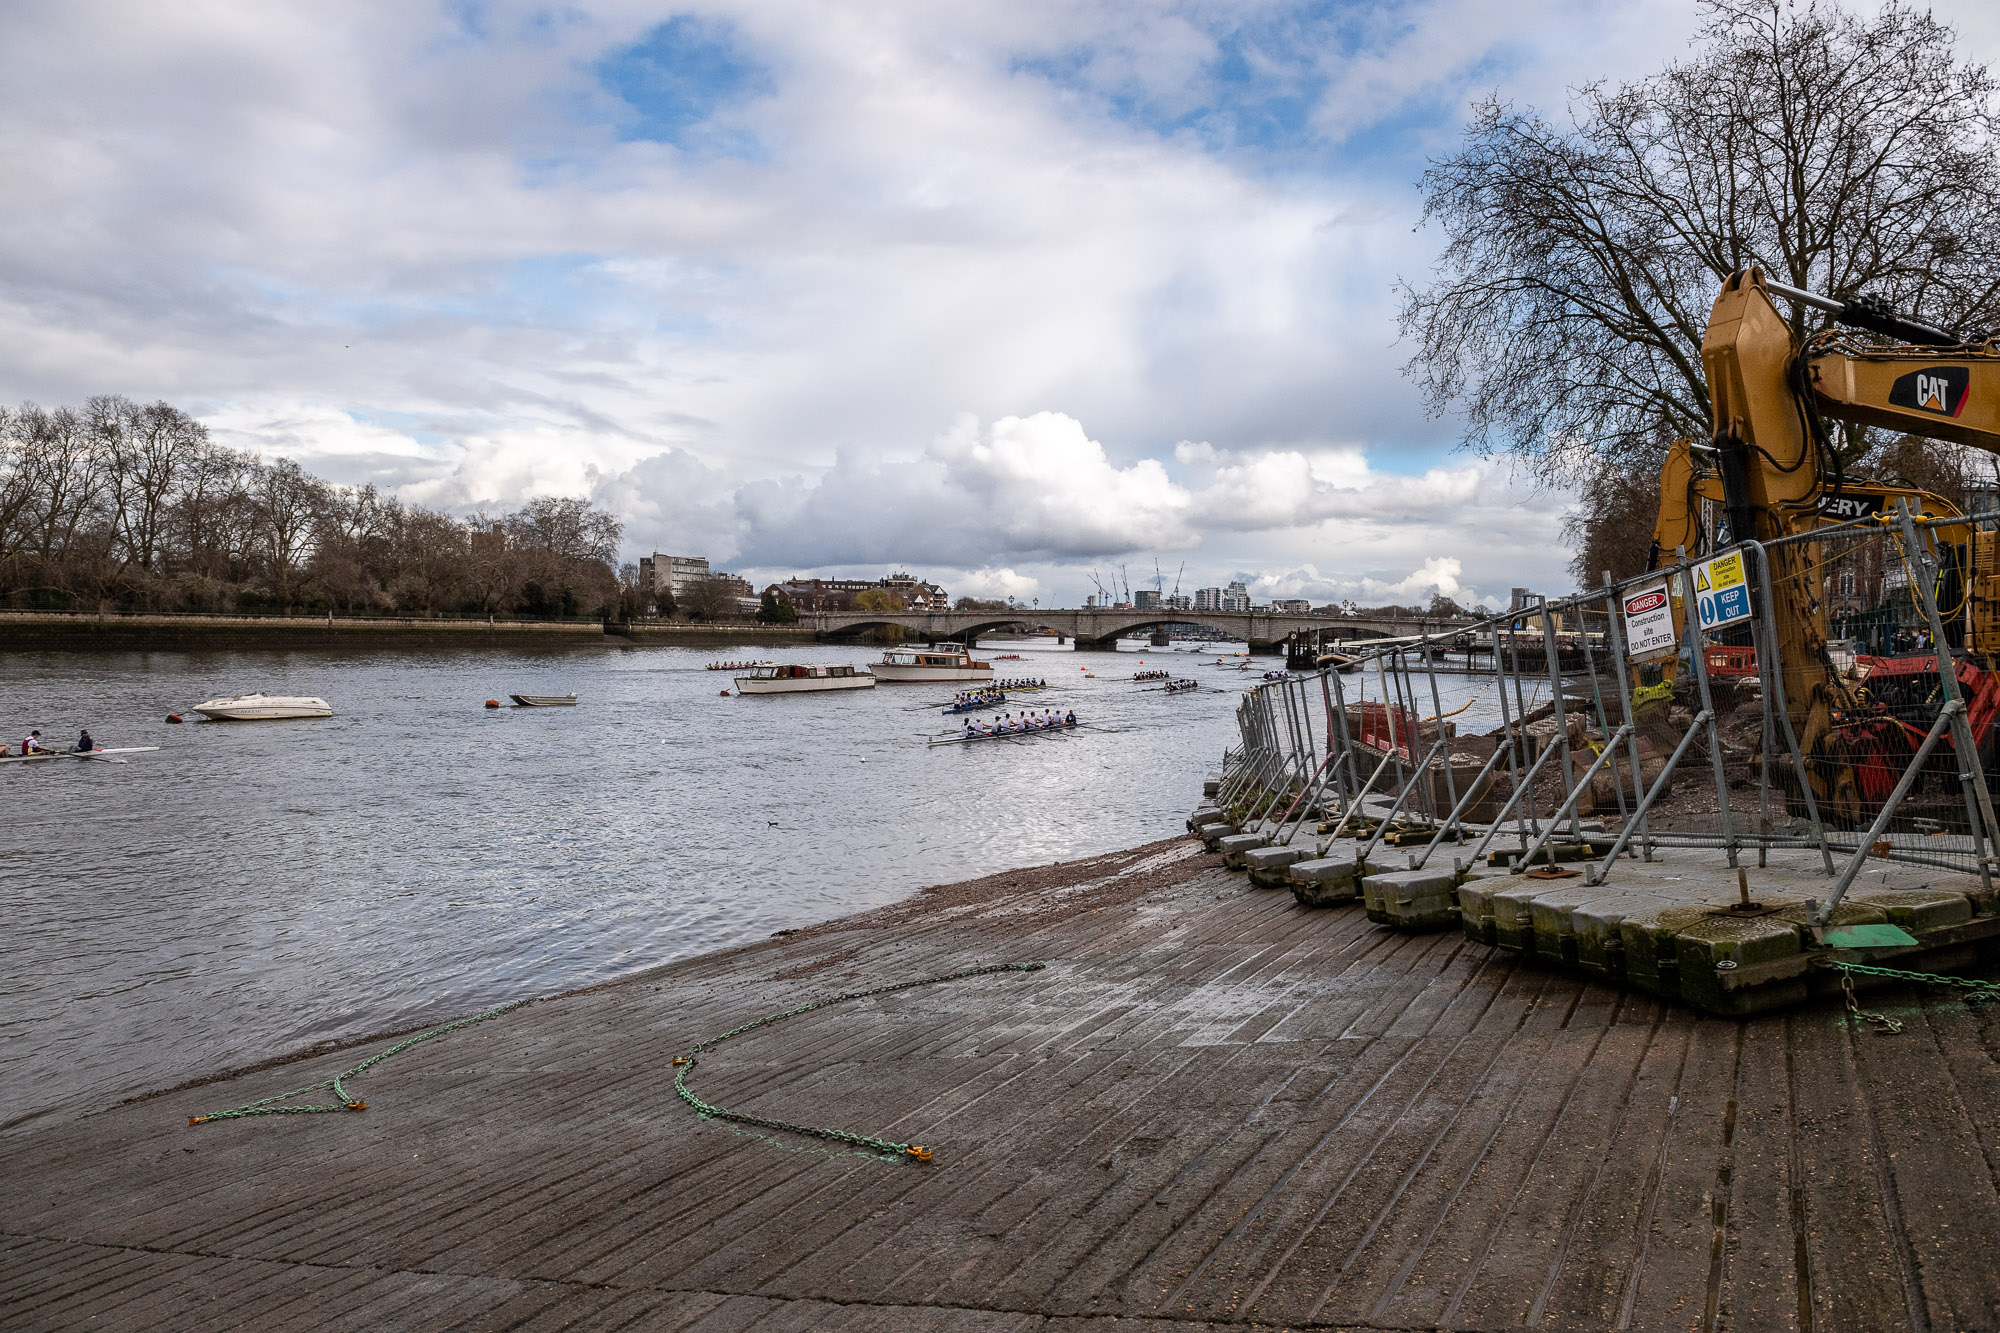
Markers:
point(288, 507)
point(149, 451)
point(136, 502)
point(1845, 154)
point(567, 528)
point(709, 599)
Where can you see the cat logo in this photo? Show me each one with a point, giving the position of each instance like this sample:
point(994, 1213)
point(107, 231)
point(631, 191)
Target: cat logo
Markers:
point(1941, 389)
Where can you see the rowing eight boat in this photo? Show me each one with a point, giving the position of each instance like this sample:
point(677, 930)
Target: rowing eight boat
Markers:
point(1001, 735)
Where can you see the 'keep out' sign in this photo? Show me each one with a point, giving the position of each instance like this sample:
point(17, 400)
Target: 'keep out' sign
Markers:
point(1721, 593)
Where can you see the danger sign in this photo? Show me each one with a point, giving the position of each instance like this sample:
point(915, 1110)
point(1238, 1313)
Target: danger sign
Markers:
point(1649, 622)
point(1721, 593)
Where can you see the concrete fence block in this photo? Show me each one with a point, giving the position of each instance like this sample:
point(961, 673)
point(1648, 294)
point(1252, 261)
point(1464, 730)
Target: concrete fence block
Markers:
point(1267, 865)
point(1412, 899)
point(1235, 845)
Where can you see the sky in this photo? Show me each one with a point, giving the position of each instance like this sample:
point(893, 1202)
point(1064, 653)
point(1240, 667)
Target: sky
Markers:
point(1006, 295)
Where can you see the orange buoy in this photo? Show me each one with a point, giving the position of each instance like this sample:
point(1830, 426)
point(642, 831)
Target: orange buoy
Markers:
point(492, 703)
point(175, 717)
point(725, 694)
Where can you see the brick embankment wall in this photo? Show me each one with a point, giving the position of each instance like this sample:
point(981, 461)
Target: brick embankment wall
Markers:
point(40, 630)
point(703, 636)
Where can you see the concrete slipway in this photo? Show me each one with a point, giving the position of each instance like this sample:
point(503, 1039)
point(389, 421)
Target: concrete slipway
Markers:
point(1212, 1109)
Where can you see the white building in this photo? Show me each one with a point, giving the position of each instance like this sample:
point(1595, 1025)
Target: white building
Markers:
point(1208, 599)
point(672, 574)
point(1292, 606)
point(1236, 597)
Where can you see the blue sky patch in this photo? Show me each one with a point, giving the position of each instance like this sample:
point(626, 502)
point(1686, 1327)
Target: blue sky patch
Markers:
point(676, 78)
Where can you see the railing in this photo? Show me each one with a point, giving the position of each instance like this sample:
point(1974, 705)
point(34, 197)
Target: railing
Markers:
point(1664, 711)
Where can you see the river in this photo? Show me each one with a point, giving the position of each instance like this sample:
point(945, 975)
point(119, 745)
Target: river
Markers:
point(253, 888)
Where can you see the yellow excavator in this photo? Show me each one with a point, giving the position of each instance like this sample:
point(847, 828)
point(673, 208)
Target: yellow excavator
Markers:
point(1775, 470)
point(1690, 493)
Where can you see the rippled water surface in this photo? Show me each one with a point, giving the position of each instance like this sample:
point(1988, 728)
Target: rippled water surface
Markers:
point(255, 887)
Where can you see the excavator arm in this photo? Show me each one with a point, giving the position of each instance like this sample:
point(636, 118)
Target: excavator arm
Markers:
point(1947, 395)
point(1689, 489)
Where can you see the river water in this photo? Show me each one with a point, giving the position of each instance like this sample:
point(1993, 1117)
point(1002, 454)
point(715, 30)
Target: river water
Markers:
point(253, 888)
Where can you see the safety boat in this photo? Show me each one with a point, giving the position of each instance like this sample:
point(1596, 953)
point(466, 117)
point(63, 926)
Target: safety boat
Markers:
point(900, 666)
point(263, 708)
point(789, 678)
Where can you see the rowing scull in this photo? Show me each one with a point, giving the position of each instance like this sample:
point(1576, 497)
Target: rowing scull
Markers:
point(73, 754)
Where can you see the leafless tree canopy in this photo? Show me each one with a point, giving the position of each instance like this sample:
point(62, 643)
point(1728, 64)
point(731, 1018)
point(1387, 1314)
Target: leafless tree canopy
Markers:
point(1845, 154)
point(135, 506)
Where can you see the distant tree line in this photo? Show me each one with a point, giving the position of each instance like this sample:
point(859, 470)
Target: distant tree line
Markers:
point(135, 507)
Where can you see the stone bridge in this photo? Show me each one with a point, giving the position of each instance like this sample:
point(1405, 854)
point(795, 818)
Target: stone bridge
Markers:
point(1100, 628)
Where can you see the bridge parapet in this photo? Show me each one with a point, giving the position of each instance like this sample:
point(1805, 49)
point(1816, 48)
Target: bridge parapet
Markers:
point(1102, 627)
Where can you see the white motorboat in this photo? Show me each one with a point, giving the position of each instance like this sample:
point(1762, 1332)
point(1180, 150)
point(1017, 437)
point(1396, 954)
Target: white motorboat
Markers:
point(544, 700)
point(787, 678)
point(263, 707)
point(939, 662)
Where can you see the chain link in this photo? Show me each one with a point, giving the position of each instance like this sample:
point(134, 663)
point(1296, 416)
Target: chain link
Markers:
point(1882, 1022)
point(1975, 991)
point(344, 1102)
point(685, 1065)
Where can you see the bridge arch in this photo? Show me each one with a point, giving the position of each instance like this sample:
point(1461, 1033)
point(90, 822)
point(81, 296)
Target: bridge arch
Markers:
point(914, 625)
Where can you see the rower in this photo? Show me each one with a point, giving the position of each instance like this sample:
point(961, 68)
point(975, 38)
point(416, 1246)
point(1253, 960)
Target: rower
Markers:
point(1070, 721)
point(33, 745)
point(84, 745)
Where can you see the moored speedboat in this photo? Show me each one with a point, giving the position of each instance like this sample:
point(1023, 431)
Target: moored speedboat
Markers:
point(938, 662)
point(263, 707)
point(791, 678)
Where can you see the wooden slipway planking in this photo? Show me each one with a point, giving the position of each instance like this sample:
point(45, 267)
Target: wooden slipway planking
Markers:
point(1211, 1109)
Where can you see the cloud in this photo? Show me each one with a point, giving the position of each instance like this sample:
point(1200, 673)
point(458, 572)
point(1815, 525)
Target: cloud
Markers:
point(994, 583)
point(471, 251)
point(1022, 506)
point(1437, 576)
point(1259, 490)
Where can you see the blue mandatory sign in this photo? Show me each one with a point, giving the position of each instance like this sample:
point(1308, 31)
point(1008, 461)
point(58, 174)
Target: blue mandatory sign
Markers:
point(1728, 604)
point(1721, 592)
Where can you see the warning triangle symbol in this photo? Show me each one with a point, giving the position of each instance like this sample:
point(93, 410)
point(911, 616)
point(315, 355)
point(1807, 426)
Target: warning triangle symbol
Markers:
point(1701, 578)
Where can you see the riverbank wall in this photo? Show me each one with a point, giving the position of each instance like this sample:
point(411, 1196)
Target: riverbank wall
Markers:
point(681, 635)
point(46, 630)
point(36, 631)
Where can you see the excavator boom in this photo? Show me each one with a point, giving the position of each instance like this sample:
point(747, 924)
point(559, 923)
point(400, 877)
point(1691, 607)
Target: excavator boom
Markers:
point(1948, 394)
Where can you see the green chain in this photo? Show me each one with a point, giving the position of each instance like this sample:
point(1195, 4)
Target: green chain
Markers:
point(344, 1102)
point(686, 1064)
point(1976, 992)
